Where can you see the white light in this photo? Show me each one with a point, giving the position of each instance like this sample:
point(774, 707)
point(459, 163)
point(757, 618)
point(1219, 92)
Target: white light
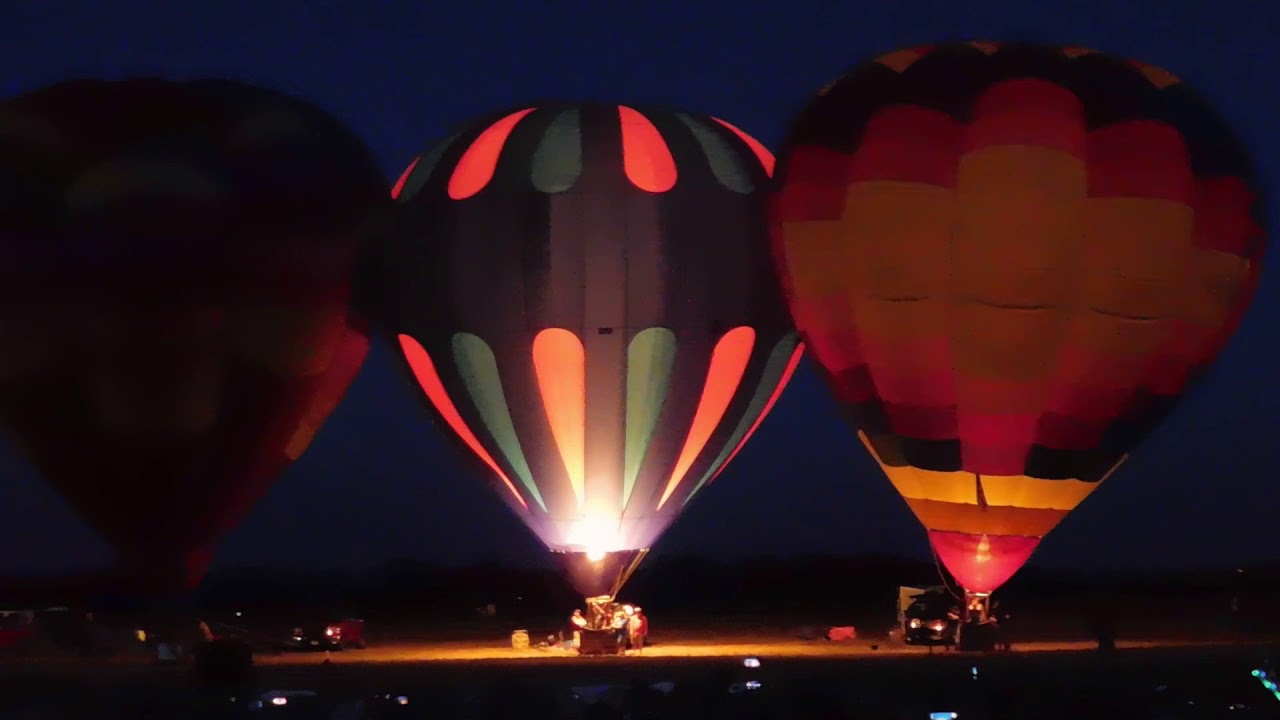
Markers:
point(751, 662)
point(595, 534)
point(279, 701)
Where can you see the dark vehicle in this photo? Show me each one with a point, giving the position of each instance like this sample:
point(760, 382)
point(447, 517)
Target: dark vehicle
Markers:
point(65, 629)
point(17, 630)
point(932, 618)
point(318, 637)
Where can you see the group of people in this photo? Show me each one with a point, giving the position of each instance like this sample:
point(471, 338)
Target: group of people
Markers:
point(628, 623)
point(993, 619)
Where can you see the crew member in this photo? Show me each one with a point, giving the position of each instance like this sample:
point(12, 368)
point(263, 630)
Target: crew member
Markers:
point(639, 629)
point(577, 623)
point(1001, 617)
point(976, 611)
point(620, 624)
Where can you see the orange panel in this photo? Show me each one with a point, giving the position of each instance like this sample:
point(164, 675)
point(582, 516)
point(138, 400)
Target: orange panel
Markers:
point(645, 156)
point(777, 392)
point(404, 176)
point(1029, 112)
point(728, 363)
point(900, 60)
point(425, 371)
point(561, 365)
point(1157, 76)
point(476, 167)
point(757, 147)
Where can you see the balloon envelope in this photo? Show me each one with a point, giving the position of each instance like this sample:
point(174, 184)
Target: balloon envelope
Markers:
point(1009, 261)
point(586, 299)
point(172, 339)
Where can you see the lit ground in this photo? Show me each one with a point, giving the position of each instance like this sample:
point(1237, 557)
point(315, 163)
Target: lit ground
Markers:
point(689, 647)
point(900, 682)
point(726, 647)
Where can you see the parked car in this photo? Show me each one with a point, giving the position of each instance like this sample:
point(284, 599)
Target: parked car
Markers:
point(932, 618)
point(17, 630)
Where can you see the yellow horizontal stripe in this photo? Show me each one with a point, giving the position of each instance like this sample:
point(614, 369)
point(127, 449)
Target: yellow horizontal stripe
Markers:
point(1018, 491)
point(989, 520)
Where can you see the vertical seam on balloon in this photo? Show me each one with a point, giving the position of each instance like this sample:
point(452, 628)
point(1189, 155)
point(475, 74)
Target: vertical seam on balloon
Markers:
point(482, 378)
point(728, 363)
point(404, 177)
point(646, 159)
point(952, 330)
point(774, 385)
point(424, 369)
point(346, 364)
point(762, 153)
point(554, 150)
point(660, 383)
point(424, 169)
point(723, 159)
point(559, 362)
point(476, 167)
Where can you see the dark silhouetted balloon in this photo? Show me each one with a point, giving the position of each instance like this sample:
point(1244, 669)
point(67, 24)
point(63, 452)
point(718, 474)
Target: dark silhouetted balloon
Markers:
point(175, 315)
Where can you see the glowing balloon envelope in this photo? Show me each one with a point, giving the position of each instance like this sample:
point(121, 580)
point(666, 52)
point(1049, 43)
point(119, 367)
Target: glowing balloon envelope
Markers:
point(586, 299)
point(1009, 261)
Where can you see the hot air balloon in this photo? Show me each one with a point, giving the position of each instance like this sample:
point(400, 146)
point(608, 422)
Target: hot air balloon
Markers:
point(585, 297)
point(175, 304)
point(1009, 262)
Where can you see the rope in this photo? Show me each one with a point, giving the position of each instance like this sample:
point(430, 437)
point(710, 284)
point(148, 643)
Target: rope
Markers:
point(937, 564)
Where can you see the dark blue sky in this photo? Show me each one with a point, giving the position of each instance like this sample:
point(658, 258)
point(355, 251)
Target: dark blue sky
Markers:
point(378, 483)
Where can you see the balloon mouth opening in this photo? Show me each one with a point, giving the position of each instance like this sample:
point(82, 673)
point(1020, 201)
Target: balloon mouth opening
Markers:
point(598, 576)
point(981, 563)
point(595, 535)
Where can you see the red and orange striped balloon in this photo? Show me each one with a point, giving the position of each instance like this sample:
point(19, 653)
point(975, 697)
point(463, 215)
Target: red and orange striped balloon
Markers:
point(1010, 260)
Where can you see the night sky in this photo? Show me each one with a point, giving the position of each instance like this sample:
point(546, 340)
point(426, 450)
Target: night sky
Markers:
point(378, 483)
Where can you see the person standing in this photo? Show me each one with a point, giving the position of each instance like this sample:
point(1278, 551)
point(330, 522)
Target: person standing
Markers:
point(633, 628)
point(577, 623)
point(640, 629)
point(620, 626)
point(1001, 617)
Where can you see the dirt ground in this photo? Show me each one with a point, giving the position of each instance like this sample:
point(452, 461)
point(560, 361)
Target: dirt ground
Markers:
point(896, 683)
point(672, 643)
point(799, 679)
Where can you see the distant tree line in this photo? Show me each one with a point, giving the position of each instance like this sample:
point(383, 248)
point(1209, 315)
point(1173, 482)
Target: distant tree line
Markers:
point(821, 585)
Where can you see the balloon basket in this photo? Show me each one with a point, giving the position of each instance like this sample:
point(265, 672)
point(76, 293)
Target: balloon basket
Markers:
point(977, 637)
point(598, 642)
